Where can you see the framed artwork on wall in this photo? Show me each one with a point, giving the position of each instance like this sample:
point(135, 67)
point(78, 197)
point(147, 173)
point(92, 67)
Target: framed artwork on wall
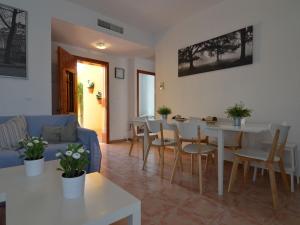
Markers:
point(119, 73)
point(229, 50)
point(13, 42)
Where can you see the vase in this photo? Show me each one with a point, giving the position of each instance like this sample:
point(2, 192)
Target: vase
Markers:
point(73, 187)
point(237, 121)
point(34, 167)
point(164, 117)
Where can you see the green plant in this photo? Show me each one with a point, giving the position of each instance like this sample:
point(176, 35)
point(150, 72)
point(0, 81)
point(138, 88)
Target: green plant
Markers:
point(34, 148)
point(99, 95)
point(238, 110)
point(164, 110)
point(91, 84)
point(73, 161)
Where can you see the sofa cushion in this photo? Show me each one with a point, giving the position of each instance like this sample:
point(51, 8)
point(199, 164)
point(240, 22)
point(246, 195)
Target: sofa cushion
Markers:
point(69, 132)
point(36, 123)
point(51, 134)
point(10, 158)
point(12, 131)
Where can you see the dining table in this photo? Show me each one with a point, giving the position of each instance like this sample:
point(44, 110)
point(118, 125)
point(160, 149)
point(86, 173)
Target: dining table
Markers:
point(217, 130)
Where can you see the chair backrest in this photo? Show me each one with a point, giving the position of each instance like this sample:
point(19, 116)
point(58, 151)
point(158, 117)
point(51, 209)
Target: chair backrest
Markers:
point(158, 126)
point(279, 140)
point(188, 130)
point(135, 125)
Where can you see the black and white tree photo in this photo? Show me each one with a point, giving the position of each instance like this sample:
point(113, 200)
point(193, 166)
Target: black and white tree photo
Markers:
point(12, 42)
point(229, 50)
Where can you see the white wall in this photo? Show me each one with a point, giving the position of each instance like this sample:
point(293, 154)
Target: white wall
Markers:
point(33, 96)
point(270, 86)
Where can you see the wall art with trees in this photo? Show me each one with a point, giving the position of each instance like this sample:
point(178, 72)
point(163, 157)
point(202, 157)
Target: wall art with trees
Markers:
point(13, 25)
point(229, 50)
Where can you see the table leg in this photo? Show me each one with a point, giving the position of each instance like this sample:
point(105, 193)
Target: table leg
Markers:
point(220, 162)
point(135, 218)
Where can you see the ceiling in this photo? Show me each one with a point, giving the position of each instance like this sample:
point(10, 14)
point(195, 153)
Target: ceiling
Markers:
point(153, 16)
point(87, 38)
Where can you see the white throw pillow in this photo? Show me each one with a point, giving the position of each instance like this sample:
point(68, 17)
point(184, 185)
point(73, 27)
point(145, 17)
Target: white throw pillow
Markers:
point(12, 131)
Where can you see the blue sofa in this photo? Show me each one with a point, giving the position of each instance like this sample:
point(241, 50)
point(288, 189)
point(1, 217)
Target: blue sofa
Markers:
point(35, 125)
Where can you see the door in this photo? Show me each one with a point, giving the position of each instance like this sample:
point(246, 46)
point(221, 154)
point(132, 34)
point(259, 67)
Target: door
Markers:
point(145, 93)
point(67, 82)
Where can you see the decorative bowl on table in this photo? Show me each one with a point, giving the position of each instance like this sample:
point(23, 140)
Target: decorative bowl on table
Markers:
point(179, 118)
point(210, 120)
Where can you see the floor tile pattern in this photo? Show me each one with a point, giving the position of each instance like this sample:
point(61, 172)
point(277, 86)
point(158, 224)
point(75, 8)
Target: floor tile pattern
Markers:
point(180, 203)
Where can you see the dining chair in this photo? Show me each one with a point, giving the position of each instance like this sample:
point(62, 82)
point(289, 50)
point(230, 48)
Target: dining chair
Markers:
point(138, 134)
point(160, 141)
point(232, 140)
point(270, 159)
point(193, 131)
point(186, 135)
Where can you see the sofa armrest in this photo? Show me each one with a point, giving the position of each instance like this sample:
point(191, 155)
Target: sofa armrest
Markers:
point(90, 140)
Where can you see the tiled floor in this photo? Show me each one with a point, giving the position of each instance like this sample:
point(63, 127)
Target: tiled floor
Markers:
point(180, 203)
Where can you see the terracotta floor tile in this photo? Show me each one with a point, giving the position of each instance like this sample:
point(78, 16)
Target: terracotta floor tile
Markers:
point(180, 203)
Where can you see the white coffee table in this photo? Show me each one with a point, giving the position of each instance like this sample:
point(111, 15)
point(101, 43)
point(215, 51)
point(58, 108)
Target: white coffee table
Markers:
point(39, 200)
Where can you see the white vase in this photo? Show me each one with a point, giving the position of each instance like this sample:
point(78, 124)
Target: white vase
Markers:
point(34, 167)
point(73, 187)
point(164, 117)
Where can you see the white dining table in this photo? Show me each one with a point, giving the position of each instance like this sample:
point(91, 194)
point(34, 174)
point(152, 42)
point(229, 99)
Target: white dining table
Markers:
point(217, 130)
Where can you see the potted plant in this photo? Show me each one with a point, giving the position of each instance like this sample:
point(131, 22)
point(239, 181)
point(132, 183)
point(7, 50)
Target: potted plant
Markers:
point(33, 155)
point(237, 112)
point(164, 111)
point(73, 162)
point(99, 97)
point(91, 86)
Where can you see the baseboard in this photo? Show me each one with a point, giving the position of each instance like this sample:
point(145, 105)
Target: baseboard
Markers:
point(118, 140)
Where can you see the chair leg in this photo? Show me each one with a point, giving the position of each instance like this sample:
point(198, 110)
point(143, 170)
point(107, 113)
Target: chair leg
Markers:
point(143, 152)
point(131, 147)
point(192, 164)
point(146, 157)
point(206, 161)
point(200, 174)
point(246, 169)
point(254, 174)
point(273, 185)
point(178, 156)
point(162, 162)
point(284, 176)
point(180, 162)
point(233, 173)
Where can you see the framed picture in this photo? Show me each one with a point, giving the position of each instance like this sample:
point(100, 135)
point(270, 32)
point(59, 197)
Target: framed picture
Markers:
point(229, 50)
point(119, 73)
point(13, 42)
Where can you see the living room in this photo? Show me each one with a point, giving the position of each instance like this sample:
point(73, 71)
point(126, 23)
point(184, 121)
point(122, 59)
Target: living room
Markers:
point(169, 41)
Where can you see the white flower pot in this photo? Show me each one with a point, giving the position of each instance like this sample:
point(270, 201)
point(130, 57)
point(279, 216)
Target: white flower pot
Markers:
point(34, 167)
point(73, 187)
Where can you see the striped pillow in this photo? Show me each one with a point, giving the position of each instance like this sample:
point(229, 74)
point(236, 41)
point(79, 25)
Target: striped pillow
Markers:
point(12, 131)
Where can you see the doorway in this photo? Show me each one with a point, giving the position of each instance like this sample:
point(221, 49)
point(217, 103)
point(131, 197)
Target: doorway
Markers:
point(84, 91)
point(145, 93)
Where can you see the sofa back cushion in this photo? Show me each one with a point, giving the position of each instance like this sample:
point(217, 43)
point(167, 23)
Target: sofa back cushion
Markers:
point(12, 131)
point(36, 123)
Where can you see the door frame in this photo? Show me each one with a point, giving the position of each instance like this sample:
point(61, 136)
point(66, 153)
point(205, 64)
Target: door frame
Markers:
point(106, 65)
point(138, 72)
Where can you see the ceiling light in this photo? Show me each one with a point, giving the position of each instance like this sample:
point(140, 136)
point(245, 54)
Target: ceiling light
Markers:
point(101, 45)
